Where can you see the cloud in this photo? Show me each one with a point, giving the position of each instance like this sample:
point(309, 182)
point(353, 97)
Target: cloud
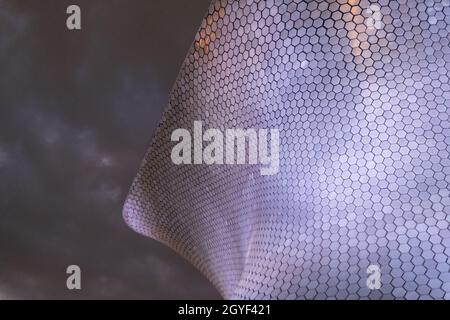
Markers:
point(3, 157)
point(5, 296)
point(78, 110)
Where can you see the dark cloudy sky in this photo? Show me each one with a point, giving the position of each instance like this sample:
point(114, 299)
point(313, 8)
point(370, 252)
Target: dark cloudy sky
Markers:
point(77, 111)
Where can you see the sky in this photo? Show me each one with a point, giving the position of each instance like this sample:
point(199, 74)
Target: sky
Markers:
point(77, 112)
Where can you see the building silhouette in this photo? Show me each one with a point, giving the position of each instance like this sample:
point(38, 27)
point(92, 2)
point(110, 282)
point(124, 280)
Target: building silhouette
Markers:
point(360, 93)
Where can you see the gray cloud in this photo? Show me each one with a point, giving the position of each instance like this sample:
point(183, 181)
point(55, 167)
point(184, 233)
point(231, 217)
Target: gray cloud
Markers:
point(78, 110)
point(3, 157)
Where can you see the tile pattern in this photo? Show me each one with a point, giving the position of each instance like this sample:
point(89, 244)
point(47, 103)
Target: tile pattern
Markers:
point(362, 101)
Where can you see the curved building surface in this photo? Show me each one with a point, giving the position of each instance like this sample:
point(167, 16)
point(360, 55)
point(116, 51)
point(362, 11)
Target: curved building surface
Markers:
point(360, 94)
